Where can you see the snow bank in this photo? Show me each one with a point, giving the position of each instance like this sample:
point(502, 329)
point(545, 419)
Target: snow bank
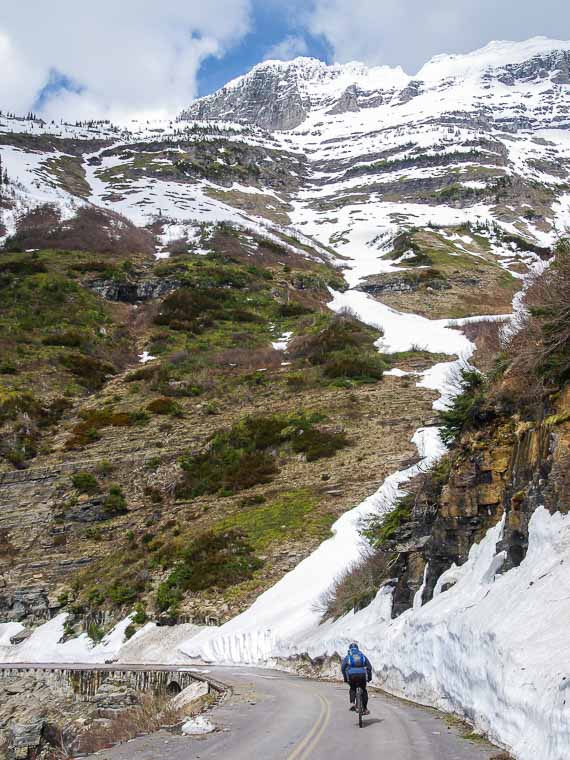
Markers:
point(151, 644)
point(158, 644)
point(190, 694)
point(282, 342)
point(198, 725)
point(44, 645)
point(7, 630)
point(493, 648)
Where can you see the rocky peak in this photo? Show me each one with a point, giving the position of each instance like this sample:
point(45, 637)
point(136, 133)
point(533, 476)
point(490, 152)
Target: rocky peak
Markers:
point(281, 95)
point(268, 96)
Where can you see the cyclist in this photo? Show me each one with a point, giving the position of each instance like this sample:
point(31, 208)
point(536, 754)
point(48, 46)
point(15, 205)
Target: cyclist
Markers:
point(357, 671)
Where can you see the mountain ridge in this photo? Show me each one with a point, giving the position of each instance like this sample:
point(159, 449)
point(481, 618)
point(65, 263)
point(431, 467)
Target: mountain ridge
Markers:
point(293, 80)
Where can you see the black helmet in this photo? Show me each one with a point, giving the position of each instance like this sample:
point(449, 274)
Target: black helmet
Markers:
point(353, 647)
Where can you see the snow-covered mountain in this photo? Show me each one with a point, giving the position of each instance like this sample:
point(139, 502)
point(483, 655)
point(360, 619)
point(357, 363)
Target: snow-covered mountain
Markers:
point(350, 155)
point(514, 84)
point(470, 137)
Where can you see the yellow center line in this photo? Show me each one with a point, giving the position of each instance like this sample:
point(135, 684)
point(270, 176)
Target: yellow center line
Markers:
point(311, 740)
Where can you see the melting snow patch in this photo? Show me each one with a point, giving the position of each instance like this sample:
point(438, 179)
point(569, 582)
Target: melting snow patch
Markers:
point(198, 725)
point(145, 357)
point(283, 342)
point(7, 630)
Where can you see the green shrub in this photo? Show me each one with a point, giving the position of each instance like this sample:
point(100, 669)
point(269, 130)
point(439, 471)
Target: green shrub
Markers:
point(85, 482)
point(139, 616)
point(121, 593)
point(115, 502)
point(293, 309)
point(211, 408)
point(380, 529)
point(466, 408)
point(91, 372)
point(164, 406)
point(67, 338)
point(226, 471)
point(318, 444)
point(95, 632)
point(405, 243)
point(94, 420)
point(130, 631)
point(154, 494)
point(214, 560)
point(148, 372)
point(8, 368)
point(168, 597)
point(191, 310)
point(329, 335)
point(354, 365)
point(104, 467)
point(243, 456)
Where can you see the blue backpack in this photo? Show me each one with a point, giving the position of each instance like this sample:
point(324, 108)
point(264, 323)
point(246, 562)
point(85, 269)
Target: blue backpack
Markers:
point(356, 663)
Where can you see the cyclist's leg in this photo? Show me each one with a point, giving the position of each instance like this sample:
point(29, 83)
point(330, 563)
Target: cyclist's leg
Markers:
point(362, 684)
point(352, 690)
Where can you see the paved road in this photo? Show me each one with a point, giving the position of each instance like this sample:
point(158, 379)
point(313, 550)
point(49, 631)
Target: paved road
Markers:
point(276, 716)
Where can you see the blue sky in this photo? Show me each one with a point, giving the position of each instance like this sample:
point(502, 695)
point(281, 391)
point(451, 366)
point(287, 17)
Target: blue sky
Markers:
point(269, 29)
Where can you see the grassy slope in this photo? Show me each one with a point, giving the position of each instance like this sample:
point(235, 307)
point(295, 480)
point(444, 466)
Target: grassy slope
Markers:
point(451, 278)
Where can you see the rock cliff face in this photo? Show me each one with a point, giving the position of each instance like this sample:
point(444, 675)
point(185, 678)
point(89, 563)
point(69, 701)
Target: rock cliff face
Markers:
point(505, 469)
point(269, 97)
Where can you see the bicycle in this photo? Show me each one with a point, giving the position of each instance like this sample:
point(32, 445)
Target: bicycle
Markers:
point(359, 704)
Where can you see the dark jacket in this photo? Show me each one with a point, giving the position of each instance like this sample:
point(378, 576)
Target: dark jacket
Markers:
point(354, 664)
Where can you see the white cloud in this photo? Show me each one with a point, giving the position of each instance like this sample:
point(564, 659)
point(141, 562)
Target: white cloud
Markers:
point(290, 47)
point(409, 32)
point(132, 57)
point(17, 76)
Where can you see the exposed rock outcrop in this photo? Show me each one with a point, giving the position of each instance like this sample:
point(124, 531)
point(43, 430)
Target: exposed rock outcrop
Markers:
point(129, 291)
point(505, 469)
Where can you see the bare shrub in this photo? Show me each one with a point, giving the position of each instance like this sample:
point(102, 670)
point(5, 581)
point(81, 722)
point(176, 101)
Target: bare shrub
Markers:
point(357, 586)
point(91, 229)
point(178, 246)
point(540, 348)
point(348, 313)
point(342, 332)
point(487, 338)
point(149, 715)
point(249, 358)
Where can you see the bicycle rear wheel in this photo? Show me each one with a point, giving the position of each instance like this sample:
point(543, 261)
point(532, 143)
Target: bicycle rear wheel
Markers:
point(359, 705)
